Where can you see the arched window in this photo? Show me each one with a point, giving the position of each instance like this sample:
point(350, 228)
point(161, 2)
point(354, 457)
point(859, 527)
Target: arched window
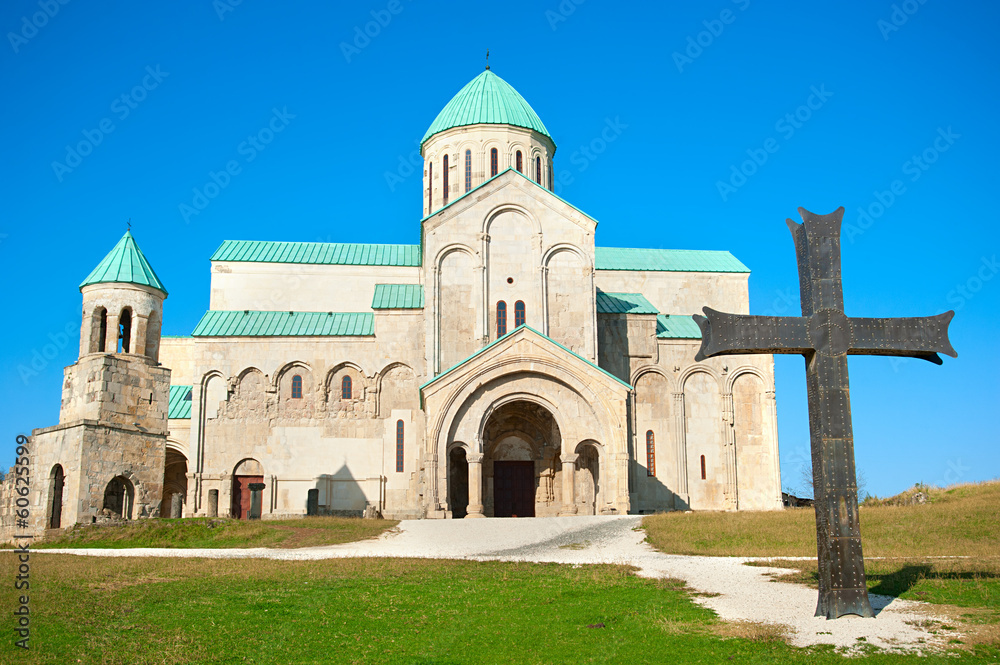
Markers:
point(125, 330)
point(703, 467)
point(444, 180)
point(296, 387)
point(430, 187)
point(399, 446)
point(501, 318)
point(650, 454)
point(517, 161)
point(345, 388)
point(519, 313)
point(494, 165)
point(101, 320)
point(468, 170)
point(538, 170)
point(550, 175)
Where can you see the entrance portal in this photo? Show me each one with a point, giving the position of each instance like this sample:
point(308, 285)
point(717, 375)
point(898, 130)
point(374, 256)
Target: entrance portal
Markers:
point(246, 472)
point(56, 493)
point(520, 467)
point(514, 489)
point(118, 497)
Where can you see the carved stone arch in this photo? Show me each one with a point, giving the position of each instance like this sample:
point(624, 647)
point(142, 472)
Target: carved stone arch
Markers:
point(381, 387)
point(177, 447)
point(454, 247)
point(501, 166)
point(210, 397)
point(567, 247)
point(510, 398)
point(512, 149)
point(250, 370)
point(491, 216)
point(333, 372)
point(746, 369)
point(652, 369)
point(606, 422)
point(688, 372)
point(285, 369)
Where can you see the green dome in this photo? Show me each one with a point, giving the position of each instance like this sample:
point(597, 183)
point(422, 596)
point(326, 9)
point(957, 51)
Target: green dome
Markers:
point(486, 99)
point(125, 264)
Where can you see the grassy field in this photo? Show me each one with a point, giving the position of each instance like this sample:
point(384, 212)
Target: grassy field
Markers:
point(959, 521)
point(903, 545)
point(206, 532)
point(86, 610)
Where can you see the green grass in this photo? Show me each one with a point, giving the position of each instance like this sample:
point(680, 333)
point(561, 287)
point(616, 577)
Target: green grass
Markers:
point(381, 611)
point(222, 532)
point(959, 521)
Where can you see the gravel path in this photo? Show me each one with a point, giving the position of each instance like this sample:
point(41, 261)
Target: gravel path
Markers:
point(735, 591)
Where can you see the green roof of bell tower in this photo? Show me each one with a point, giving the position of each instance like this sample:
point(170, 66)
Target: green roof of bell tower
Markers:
point(486, 99)
point(125, 264)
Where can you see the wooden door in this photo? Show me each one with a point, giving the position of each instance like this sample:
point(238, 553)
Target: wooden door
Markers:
point(514, 489)
point(241, 495)
point(55, 521)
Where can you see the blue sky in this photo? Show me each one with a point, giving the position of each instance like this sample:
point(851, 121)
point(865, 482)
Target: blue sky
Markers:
point(731, 115)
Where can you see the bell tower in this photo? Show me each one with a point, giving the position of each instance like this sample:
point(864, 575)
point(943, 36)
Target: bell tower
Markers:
point(106, 457)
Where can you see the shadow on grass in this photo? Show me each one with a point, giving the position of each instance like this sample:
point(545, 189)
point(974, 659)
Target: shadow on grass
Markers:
point(899, 582)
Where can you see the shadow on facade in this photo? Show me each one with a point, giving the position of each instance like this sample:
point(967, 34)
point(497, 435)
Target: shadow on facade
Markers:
point(341, 494)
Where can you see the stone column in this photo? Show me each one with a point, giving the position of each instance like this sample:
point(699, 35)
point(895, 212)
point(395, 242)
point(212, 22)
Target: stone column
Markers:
point(680, 438)
point(621, 461)
point(568, 485)
point(729, 451)
point(111, 334)
point(475, 508)
point(176, 505)
point(771, 405)
point(213, 503)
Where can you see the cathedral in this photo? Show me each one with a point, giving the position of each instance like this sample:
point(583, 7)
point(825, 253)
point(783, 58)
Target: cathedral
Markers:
point(505, 366)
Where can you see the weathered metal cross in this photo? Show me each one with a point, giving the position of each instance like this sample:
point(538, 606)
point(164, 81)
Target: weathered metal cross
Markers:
point(825, 336)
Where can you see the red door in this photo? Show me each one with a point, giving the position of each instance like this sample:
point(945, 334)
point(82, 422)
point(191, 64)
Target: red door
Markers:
point(241, 495)
point(514, 489)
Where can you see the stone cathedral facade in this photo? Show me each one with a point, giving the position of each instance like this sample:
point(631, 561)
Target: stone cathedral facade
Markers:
point(505, 366)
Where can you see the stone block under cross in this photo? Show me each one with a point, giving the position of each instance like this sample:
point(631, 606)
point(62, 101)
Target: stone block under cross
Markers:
point(826, 336)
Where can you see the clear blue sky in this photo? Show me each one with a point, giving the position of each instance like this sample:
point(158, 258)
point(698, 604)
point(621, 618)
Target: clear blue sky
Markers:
point(913, 101)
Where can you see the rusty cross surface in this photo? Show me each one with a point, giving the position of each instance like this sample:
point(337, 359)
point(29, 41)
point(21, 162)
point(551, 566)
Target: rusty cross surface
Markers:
point(825, 336)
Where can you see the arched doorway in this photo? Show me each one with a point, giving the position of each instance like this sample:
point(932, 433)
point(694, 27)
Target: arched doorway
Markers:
point(56, 482)
point(118, 497)
point(521, 469)
point(246, 472)
point(174, 480)
point(458, 482)
point(588, 479)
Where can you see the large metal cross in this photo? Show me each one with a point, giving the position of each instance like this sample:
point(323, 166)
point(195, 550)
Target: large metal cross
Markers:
point(825, 336)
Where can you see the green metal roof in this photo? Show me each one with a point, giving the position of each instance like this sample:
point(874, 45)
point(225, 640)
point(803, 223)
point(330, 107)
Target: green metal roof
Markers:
point(125, 264)
point(180, 402)
point(500, 339)
point(673, 260)
point(327, 253)
point(248, 323)
point(398, 296)
point(486, 99)
point(676, 326)
point(624, 303)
